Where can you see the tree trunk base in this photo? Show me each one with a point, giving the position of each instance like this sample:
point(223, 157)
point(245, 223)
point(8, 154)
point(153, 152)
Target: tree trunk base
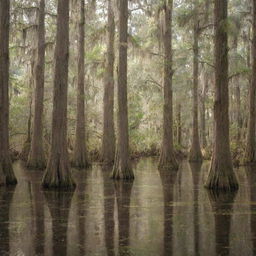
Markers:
point(25, 151)
point(122, 171)
point(221, 178)
point(80, 162)
point(249, 157)
point(58, 175)
point(38, 163)
point(2, 177)
point(10, 178)
point(167, 162)
point(195, 155)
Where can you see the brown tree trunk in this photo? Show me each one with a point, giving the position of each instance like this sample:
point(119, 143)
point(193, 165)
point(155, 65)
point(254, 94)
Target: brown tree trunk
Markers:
point(221, 175)
point(36, 158)
point(195, 154)
point(239, 121)
point(26, 146)
point(167, 158)
point(122, 167)
point(179, 125)
point(108, 141)
point(250, 153)
point(6, 172)
point(58, 172)
point(203, 109)
point(80, 157)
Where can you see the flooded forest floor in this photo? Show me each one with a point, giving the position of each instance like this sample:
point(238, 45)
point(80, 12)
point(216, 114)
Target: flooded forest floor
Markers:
point(156, 214)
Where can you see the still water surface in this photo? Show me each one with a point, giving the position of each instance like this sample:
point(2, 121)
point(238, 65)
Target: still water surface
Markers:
point(157, 214)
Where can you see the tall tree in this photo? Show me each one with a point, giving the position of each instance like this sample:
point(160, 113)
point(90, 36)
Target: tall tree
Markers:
point(6, 170)
point(195, 154)
point(80, 157)
point(58, 173)
point(221, 175)
point(250, 152)
point(205, 85)
point(108, 141)
point(167, 158)
point(122, 166)
point(36, 158)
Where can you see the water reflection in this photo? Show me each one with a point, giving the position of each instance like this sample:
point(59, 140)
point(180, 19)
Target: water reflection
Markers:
point(59, 205)
point(222, 206)
point(109, 207)
point(250, 171)
point(6, 195)
point(196, 171)
point(168, 180)
point(159, 213)
point(123, 191)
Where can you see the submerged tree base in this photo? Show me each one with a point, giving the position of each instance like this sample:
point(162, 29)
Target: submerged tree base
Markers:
point(38, 164)
point(58, 176)
point(195, 155)
point(249, 158)
point(122, 171)
point(80, 162)
point(222, 178)
point(8, 172)
point(167, 162)
point(25, 151)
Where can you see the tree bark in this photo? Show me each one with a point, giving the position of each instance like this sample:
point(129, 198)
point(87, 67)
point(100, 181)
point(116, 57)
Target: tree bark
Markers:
point(195, 154)
point(203, 109)
point(250, 153)
point(167, 158)
point(122, 166)
point(36, 158)
point(239, 121)
point(221, 174)
point(58, 172)
point(80, 157)
point(108, 141)
point(179, 125)
point(6, 171)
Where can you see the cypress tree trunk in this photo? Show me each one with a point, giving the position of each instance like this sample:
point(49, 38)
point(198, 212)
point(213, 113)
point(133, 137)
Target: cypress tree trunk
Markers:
point(202, 114)
point(179, 125)
point(108, 141)
point(36, 158)
point(250, 154)
point(195, 154)
point(239, 121)
point(221, 174)
point(26, 146)
point(80, 158)
point(58, 172)
point(167, 158)
point(122, 167)
point(6, 172)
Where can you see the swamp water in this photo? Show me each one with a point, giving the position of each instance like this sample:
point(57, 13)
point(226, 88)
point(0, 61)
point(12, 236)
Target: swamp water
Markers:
point(157, 214)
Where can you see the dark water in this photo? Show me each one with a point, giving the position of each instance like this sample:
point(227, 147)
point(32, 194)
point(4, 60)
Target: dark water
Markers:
point(157, 214)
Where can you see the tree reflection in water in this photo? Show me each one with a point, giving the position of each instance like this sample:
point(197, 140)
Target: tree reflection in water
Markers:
point(168, 179)
point(59, 205)
point(222, 207)
point(6, 196)
point(123, 191)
